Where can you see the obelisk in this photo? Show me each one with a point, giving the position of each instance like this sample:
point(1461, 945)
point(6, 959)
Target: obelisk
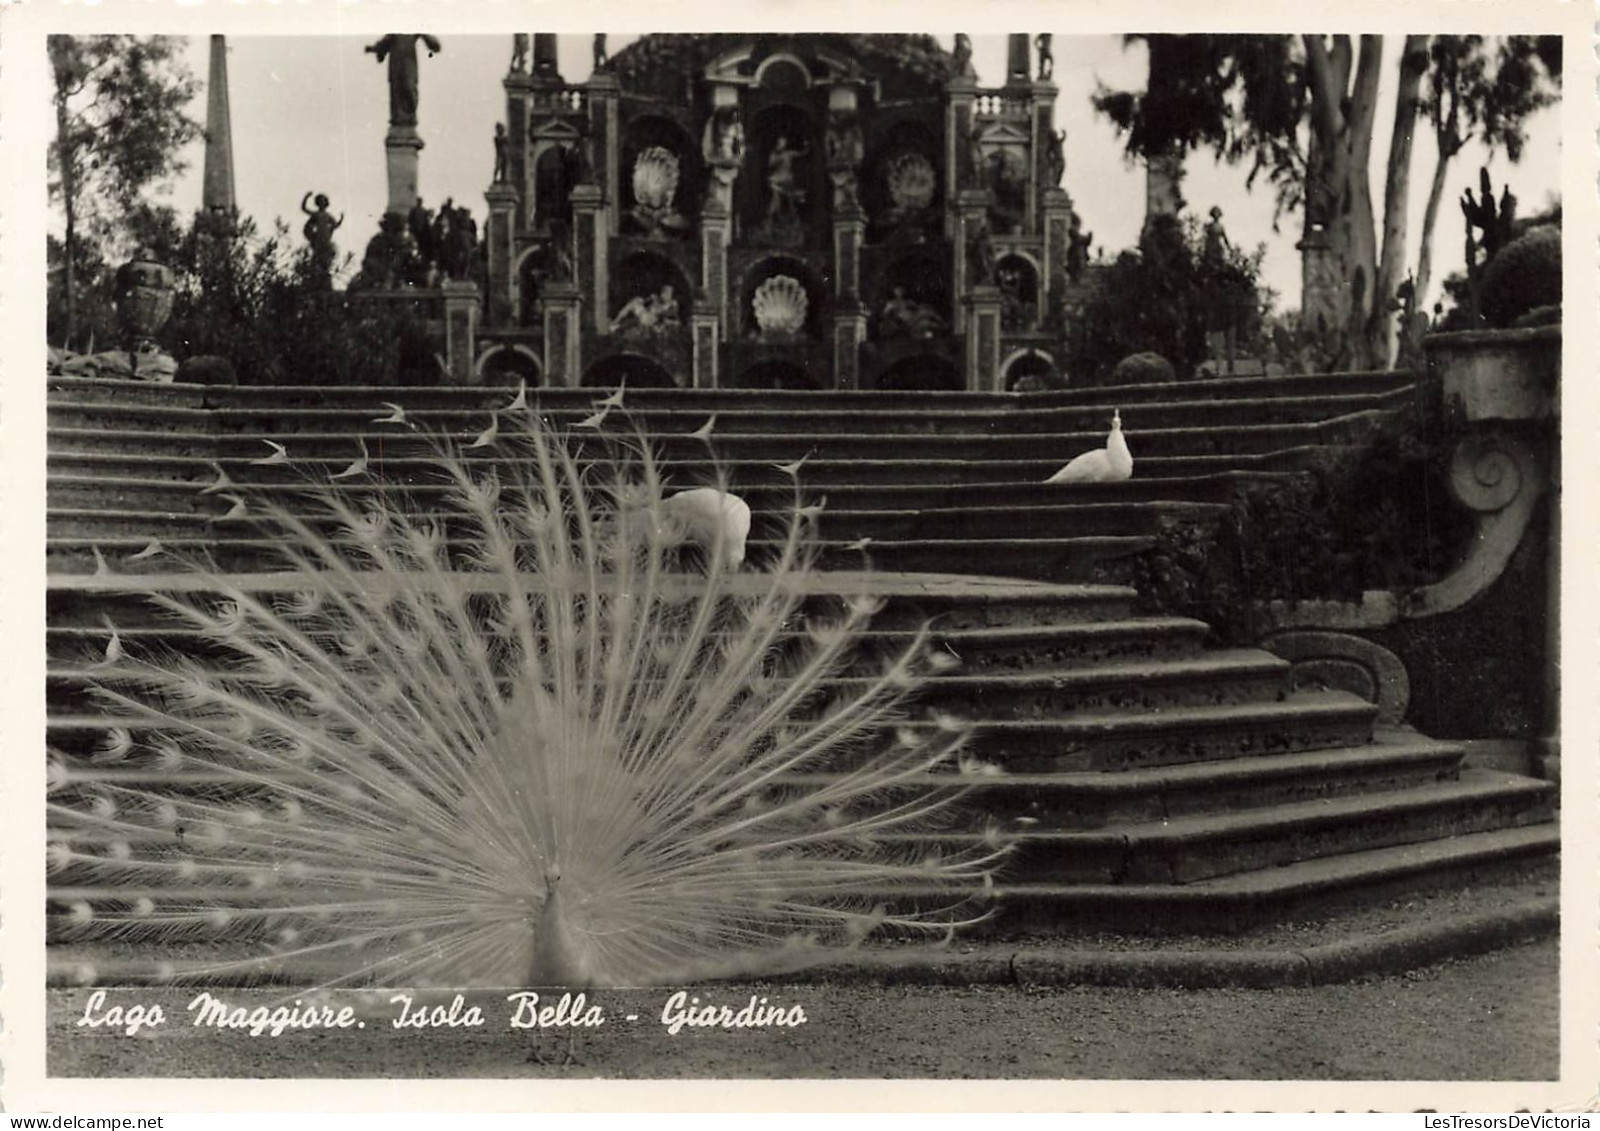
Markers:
point(216, 195)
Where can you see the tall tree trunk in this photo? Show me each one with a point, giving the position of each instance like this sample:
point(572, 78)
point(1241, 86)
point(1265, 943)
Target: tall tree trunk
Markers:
point(69, 198)
point(1341, 246)
point(1429, 217)
point(1381, 325)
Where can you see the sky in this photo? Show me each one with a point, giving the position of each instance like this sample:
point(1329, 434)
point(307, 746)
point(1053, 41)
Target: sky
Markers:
point(309, 114)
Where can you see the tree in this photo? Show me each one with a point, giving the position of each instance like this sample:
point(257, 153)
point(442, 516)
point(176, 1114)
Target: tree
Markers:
point(1471, 92)
point(1303, 110)
point(121, 124)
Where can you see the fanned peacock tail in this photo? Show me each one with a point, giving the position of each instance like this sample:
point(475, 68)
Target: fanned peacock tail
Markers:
point(513, 742)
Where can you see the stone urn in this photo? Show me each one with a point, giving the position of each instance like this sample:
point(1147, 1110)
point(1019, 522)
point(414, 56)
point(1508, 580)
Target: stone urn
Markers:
point(143, 298)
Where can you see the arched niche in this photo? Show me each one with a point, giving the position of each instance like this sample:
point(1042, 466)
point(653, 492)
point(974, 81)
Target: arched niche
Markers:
point(557, 167)
point(782, 192)
point(509, 365)
point(1030, 371)
point(912, 298)
point(634, 370)
point(650, 294)
point(922, 371)
point(663, 178)
point(775, 373)
point(810, 284)
point(1017, 276)
point(784, 74)
point(902, 183)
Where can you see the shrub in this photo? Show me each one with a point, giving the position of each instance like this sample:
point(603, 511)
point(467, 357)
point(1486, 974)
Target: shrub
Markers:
point(1526, 274)
point(1143, 369)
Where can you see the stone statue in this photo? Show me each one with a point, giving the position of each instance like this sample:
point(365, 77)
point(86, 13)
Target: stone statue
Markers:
point(844, 141)
point(1055, 159)
point(648, 314)
point(400, 51)
point(1078, 242)
point(419, 222)
point(902, 317)
point(980, 255)
point(602, 60)
point(786, 196)
point(1215, 251)
point(519, 53)
point(319, 228)
point(500, 143)
point(385, 254)
point(1047, 59)
point(961, 57)
point(723, 139)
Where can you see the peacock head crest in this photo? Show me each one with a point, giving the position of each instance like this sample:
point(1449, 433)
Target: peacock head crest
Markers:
point(1116, 420)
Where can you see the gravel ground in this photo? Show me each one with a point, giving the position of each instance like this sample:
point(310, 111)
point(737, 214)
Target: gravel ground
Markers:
point(1487, 1018)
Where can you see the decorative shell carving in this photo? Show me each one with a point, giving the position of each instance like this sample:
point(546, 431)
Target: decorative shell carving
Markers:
point(780, 307)
point(911, 182)
point(655, 177)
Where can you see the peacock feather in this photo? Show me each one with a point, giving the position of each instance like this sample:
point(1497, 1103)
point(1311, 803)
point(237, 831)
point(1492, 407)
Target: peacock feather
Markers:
point(512, 740)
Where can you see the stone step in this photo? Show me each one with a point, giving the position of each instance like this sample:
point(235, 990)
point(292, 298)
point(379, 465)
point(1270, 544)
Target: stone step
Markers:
point(1236, 903)
point(1097, 800)
point(857, 444)
point(1212, 678)
point(95, 491)
point(1205, 846)
point(836, 523)
point(1091, 740)
point(1028, 648)
point(200, 469)
point(118, 415)
point(1065, 560)
point(1140, 738)
point(959, 603)
point(66, 389)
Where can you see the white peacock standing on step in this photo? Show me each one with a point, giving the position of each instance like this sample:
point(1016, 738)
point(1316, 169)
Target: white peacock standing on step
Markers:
point(1110, 464)
point(505, 745)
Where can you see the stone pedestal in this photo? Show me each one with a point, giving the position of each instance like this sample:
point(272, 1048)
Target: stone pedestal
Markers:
point(716, 226)
point(706, 326)
point(982, 321)
point(1042, 114)
point(849, 228)
point(401, 145)
point(849, 331)
point(461, 306)
point(562, 336)
point(589, 266)
point(502, 200)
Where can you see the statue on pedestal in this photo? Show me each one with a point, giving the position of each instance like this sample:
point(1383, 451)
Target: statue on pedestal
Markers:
point(602, 60)
point(519, 53)
point(1055, 159)
point(644, 315)
point(1078, 242)
point(786, 195)
point(1047, 58)
point(400, 52)
point(961, 56)
point(500, 143)
point(319, 228)
point(902, 317)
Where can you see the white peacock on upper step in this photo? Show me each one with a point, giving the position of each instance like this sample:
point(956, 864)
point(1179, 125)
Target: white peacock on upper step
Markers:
point(1110, 464)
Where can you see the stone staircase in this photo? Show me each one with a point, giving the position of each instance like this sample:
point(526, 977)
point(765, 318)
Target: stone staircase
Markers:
point(1154, 784)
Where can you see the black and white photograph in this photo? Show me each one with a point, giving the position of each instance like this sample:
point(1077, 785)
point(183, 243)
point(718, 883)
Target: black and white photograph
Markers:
point(805, 554)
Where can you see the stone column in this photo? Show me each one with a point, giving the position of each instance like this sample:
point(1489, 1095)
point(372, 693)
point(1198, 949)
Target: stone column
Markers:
point(502, 200)
point(589, 266)
point(972, 210)
point(960, 93)
point(461, 305)
point(706, 339)
point(1057, 211)
point(563, 336)
point(401, 146)
point(982, 310)
point(849, 331)
point(604, 148)
point(1042, 105)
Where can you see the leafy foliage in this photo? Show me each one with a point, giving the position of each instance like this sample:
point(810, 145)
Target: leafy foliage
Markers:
point(121, 124)
point(1378, 518)
point(1165, 297)
point(1524, 275)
